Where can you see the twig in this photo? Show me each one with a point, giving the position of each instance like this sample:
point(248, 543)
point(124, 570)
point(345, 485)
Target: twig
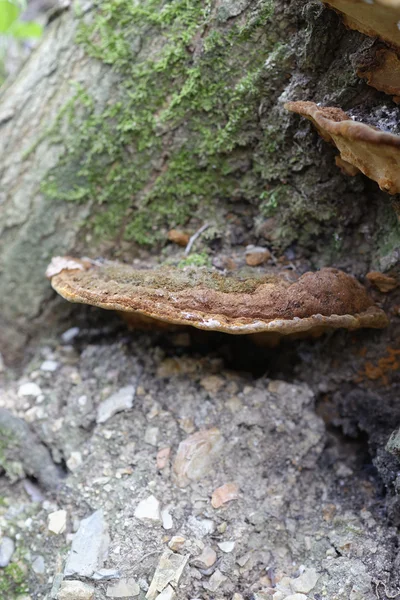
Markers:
point(194, 238)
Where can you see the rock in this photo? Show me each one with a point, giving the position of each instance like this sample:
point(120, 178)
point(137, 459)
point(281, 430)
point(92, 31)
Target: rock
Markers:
point(216, 579)
point(74, 461)
point(169, 571)
point(201, 527)
point(120, 400)
point(176, 542)
point(70, 334)
point(7, 548)
point(257, 255)
point(2, 365)
point(148, 510)
point(75, 590)
point(89, 547)
point(106, 574)
point(29, 389)
point(206, 559)
point(178, 237)
point(167, 594)
point(223, 494)
point(196, 454)
point(212, 383)
point(38, 565)
point(49, 366)
point(57, 521)
point(124, 588)
point(306, 582)
point(226, 546)
point(393, 444)
point(166, 518)
point(151, 436)
point(163, 457)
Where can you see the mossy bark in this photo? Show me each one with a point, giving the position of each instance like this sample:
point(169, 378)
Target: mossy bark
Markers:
point(131, 119)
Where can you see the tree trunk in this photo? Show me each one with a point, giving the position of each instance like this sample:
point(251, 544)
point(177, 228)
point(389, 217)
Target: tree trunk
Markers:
point(132, 119)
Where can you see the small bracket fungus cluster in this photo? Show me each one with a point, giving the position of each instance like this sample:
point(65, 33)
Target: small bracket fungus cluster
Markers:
point(209, 300)
point(376, 18)
point(372, 151)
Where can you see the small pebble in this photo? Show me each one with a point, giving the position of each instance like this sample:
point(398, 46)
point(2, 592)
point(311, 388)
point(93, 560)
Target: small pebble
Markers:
point(148, 509)
point(70, 335)
point(38, 565)
point(57, 521)
point(226, 546)
point(29, 389)
point(49, 366)
point(75, 590)
point(7, 548)
point(125, 588)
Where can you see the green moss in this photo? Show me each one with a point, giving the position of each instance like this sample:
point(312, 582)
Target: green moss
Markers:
point(167, 147)
point(12, 582)
point(195, 260)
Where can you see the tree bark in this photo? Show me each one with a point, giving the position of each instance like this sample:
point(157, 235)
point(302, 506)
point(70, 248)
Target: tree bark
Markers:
point(128, 121)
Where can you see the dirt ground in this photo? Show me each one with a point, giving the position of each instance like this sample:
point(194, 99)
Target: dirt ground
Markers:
point(299, 432)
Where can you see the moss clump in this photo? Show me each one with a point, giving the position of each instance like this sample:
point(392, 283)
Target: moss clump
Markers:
point(196, 260)
point(12, 582)
point(172, 141)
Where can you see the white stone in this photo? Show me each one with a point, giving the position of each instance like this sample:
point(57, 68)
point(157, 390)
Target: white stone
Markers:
point(74, 461)
point(151, 436)
point(89, 547)
point(124, 588)
point(7, 548)
point(38, 565)
point(167, 594)
point(49, 366)
point(148, 509)
point(216, 579)
point(117, 402)
point(29, 389)
point(166, 518)
point(57, 521)
point(226, 546)
point(70, 334)
point(306, 582)
point(75, 590)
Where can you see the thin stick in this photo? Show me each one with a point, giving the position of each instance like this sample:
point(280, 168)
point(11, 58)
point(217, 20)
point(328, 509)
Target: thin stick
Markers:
point(194, 238)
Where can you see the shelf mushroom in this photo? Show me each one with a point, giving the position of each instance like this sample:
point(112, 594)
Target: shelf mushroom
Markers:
point(376, 18)
point(374, 152)
point(267, 303)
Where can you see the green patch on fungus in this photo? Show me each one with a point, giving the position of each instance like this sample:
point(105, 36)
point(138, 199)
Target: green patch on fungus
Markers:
point(13, 582)
point(167, 146)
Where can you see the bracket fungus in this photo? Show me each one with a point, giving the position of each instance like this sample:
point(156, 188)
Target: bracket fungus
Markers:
point(212, 301)
point(381, 19)
point(376, 18)
point(381, 70)
point(374, 152)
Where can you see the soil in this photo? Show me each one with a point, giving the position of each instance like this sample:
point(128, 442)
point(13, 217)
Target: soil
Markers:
point(303, 427)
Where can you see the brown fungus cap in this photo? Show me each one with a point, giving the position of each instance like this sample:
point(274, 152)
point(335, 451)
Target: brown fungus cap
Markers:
point(381, 70)
point(374, 152)
point(376, 18)
point(209, 300)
